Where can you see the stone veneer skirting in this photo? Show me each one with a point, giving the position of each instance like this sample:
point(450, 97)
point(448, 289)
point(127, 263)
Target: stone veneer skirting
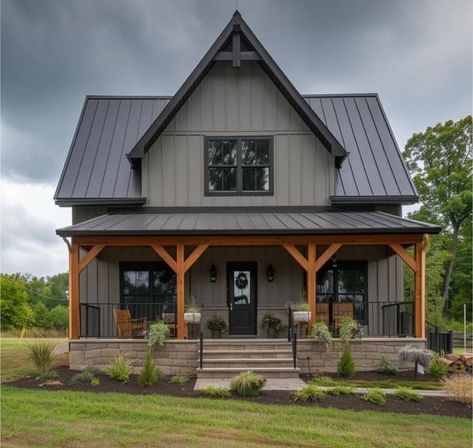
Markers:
point(180, 356)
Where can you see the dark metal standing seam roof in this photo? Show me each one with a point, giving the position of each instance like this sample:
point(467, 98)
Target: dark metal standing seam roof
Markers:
point(97, 169)
point(258, 222)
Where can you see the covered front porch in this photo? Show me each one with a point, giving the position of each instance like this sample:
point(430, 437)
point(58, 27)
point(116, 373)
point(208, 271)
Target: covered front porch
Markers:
point(153, 278)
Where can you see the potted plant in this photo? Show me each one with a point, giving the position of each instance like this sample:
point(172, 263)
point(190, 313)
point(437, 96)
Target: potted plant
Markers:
point(301, 311)
point(217, 326)
point(192, 316)
point(272, 325)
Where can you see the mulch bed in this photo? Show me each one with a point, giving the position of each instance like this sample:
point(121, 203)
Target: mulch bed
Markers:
point(402, 375)
point(429, 405)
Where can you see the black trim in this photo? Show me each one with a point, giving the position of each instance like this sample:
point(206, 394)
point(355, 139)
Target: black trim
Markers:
point(379, 200)
point(269, 66)
point(99, 201)
point(239, 191)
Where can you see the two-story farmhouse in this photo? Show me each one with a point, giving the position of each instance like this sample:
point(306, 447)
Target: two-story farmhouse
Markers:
point(242, 192)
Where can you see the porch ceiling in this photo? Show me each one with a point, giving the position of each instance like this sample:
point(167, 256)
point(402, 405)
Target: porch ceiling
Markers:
point(249, 222)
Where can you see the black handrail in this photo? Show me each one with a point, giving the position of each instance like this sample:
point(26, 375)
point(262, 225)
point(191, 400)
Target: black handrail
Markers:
point(290, 324)
point(201, 346)
point(294, 348)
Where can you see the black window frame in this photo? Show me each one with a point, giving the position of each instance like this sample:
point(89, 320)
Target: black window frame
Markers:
point(239, 171)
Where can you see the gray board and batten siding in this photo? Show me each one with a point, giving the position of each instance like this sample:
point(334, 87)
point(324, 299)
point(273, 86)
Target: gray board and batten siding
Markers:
point(100, 281)
point(233, 102)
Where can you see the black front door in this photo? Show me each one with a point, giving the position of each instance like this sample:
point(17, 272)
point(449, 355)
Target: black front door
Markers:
point(241, 291)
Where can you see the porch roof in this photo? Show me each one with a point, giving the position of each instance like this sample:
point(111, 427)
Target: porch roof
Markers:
point(249, 222)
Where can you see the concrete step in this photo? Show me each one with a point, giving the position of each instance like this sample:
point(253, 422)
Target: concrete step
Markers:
point(248, 363)
point(257, 354)
point(231, 372)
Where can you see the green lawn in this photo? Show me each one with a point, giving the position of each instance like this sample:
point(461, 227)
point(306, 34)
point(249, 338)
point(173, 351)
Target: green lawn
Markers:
point(36, 418)
point(14, 362)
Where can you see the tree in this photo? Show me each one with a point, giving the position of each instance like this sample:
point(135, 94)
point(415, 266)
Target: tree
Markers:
point(14, 309)
point(59, 317)
point(440, 160)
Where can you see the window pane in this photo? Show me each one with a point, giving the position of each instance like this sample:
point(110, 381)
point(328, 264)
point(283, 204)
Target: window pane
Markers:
point(262, 179)
point(229, 179)
point(262, 152)
point(215, 152)
point(248, 179)
point(215, 179)
point(350, 298)
point(229, 152)
point(248, 149)
point(164, 283)
point(241, 287)
point(325, 282)
point(351, 281)
point(136, 282)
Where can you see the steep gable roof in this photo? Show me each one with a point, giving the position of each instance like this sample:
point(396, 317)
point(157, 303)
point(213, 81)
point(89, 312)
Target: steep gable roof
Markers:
point(244, 45)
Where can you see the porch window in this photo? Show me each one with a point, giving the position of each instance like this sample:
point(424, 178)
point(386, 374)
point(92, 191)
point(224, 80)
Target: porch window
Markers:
point(344, 282)
point(239, 166)
point(148, 290)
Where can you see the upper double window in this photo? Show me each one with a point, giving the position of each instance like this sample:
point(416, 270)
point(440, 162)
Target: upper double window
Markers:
point(239, 166)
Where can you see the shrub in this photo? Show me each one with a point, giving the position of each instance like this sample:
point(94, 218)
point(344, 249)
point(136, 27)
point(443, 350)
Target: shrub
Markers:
point(386, 367)
point(180, 379)
point(375, 396)
point(437, 366)
point(342, 390)
point(408, 395)
point(88, 375)
point(216, 392)
point(346, 365)
point(148, 375)
point(271, 323)
point(158, 334)
point(217, 325)
point(46, 376)
point(322, 381)
point(95, 381)
point(459, 388)
point(42, 354)
point(120, 369)
point(411, 353)
point(348, 328)
point(247, 384)
point(310, 392)
point(321, 333)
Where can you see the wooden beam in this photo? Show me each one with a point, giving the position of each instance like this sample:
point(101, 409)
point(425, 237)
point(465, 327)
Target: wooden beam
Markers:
point(180, 302)
point(164, 254)
point(89, 256)
point(311, 283)
point(246, 240)
point(294, 251)
point(420, 288)
point(74, 292)
point(406, 257)
point(194, 256)
point(329, 252)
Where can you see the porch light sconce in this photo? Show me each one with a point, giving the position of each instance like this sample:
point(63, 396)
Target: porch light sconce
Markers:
point(270, 273)
point(213, 274)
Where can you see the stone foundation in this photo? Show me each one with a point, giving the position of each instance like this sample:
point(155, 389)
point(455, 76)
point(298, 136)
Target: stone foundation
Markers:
point(180, 356)
point(366, 353)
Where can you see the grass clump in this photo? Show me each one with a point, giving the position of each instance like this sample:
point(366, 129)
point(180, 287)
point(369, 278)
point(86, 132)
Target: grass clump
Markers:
point(95, 381)
point(459, 387)
point(342, 390)
point(375, 396)
point(322, 381)
point(309, 393)
point(346, 365)
point(386, 367)
point(47, 376)
point(247, 384)
point(42, 355)
point(149, 374)
point(180, 378)
point(216, 392)
point(407, 395)
point(120, 369)
point(88, 375)
point(437, 366)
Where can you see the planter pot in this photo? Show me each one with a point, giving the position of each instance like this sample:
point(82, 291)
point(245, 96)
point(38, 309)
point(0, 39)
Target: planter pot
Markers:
point(301, 317)
point(192, 318)
point(272, 333)
point(216, 334)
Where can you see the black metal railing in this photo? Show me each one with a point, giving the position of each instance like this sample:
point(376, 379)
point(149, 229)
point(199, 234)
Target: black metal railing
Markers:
point(98, 319)
point(292, 335)
point(201, 345)
point(439, 341)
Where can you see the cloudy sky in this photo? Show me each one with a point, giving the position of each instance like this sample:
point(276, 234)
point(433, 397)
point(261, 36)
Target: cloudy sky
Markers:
point(417, 54)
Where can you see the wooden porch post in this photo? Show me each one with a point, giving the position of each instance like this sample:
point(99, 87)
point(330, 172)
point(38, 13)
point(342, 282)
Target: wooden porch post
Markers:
point(74, 292)
point(311, 282)
point(180, 303)
point(420, 248)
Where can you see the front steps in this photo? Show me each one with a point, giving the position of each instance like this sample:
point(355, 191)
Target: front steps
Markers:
point(226, 358)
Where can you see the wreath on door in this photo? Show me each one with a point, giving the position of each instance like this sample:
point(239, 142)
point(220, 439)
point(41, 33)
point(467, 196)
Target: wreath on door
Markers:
point(241, 281)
